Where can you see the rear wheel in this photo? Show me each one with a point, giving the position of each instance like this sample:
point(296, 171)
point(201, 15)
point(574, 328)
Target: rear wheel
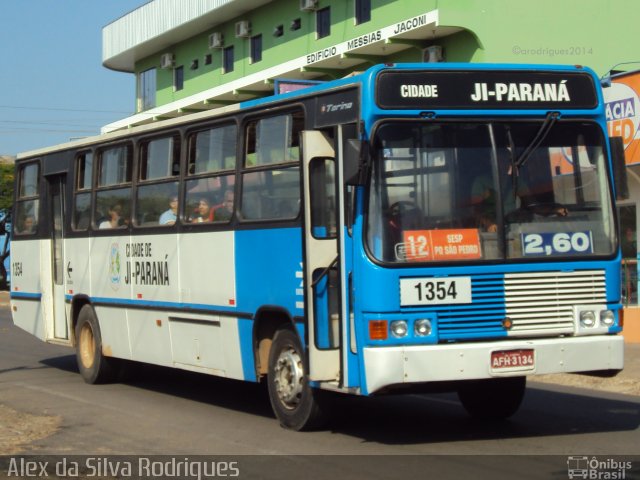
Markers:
point(495, 398)
point(296, 405)
point(93, 365)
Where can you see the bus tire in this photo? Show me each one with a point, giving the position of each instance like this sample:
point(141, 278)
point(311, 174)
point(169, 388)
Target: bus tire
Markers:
point(493, 399)
point(93, 365)
point(296, 405)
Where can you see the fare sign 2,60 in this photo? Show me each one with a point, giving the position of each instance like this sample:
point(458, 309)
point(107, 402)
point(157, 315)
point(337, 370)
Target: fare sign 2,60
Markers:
point(562, 243)
point(435, 291)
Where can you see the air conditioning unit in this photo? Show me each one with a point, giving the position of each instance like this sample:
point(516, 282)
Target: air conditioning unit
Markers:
point(308, 5)
point(243, 29)
point(167, 60)
point(216, 40)
point(432, 54)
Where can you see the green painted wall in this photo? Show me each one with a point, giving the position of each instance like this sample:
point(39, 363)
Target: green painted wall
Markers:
point(276, 50)
point(596, 33)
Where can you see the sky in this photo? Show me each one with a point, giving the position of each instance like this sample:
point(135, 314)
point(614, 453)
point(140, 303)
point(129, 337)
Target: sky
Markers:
point(53, 87)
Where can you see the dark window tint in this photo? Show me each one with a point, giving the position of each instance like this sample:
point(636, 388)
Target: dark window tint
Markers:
point(256, 48)
point(227, 59)
point(363, 11)
point(178, 78)
point(323, 22)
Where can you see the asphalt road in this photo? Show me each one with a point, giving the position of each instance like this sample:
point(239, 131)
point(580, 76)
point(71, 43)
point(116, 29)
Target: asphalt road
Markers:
point(157, 411)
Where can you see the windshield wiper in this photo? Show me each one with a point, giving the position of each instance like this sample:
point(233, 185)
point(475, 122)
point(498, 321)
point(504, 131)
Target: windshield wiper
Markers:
point(546, 126)
point(542, 133)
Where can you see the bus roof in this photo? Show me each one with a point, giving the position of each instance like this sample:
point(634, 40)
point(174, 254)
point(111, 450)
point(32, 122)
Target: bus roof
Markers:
point(365, 77)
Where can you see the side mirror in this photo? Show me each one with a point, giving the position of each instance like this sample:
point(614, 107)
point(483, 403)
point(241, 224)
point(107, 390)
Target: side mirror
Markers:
point(619, 168)
point(352, 161)
point(356, 162)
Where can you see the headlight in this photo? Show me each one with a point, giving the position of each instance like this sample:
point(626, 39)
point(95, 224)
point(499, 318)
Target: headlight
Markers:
point(587, 319)
point(607, 318)
point(399, 328)
point(422, 327)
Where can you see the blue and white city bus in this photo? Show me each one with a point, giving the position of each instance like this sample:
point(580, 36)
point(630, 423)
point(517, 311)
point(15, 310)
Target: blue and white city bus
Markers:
point(444, 226)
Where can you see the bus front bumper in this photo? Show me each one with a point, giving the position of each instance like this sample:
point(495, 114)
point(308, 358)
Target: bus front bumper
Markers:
point(386, 366)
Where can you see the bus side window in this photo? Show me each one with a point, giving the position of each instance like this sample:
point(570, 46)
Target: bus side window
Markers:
point(157, 197)
point(210, 199)
point(323, 198)
point(271, 194)
point(113, 196)
point(209, 193)
point(271, 174)
point(213, 150)
point(82, 192)
point(27, 208)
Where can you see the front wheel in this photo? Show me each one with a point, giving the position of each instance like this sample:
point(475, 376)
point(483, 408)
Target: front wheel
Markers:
point(296, 405)
point(93, 365)
point(495, 398)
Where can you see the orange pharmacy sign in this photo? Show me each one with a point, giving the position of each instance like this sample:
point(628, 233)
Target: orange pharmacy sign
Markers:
point(622, 108)
point(441, 245)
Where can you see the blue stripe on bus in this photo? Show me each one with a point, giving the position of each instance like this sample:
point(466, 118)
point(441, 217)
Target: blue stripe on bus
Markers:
point(25, 296)
point(161, 304)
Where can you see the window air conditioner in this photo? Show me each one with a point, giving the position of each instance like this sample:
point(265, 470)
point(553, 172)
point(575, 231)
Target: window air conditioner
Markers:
point(216, 40)
point(167, 60)
point(432, 54)
point(243, 29)
point(308, 5)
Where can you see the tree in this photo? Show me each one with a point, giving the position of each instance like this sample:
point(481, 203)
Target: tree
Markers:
point(7, 173)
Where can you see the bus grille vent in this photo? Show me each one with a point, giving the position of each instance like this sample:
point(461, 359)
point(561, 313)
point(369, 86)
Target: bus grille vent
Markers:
point(538, 304)
point(542, 303)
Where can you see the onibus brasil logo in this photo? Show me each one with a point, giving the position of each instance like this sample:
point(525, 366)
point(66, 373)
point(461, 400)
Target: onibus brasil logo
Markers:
point(596, 468)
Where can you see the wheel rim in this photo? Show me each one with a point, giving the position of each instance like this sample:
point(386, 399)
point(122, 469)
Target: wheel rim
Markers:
point(87, 346)
point(288, 377)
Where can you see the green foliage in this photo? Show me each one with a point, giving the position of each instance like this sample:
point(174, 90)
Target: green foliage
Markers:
point(7, 173)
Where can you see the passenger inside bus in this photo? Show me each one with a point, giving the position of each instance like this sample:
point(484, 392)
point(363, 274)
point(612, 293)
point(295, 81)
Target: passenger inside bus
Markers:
point(115, 218)
point(203, 213)
point(28, 225)
point(223, 212)
point(170, 216)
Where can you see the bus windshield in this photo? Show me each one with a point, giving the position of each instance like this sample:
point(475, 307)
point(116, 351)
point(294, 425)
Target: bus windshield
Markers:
point(488, 191)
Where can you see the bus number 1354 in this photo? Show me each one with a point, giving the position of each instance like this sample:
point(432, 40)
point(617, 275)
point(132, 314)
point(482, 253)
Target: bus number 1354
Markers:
point(430, 291)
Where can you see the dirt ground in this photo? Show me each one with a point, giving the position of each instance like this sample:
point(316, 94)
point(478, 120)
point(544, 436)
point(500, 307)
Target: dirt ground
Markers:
point(626, 382)
point(621, 383)
point(19, 430)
